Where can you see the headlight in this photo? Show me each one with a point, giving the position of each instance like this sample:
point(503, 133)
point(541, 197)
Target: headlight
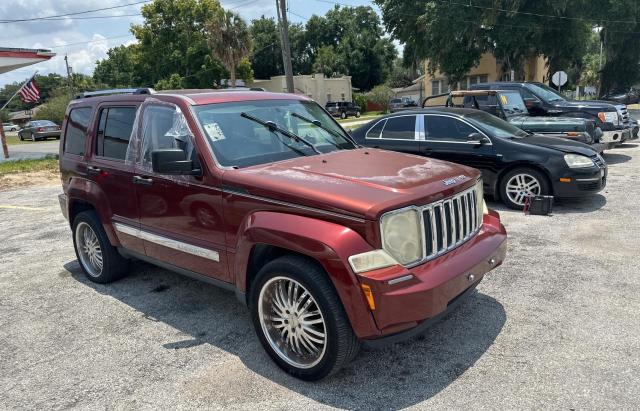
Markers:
point(578, 161)
point(402, 236)
point(608, 117)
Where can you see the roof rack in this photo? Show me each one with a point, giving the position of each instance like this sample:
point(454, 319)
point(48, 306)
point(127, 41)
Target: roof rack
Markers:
point(145, 90)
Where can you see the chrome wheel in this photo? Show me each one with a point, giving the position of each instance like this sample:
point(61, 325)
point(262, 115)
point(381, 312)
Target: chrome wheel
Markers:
point(292, 322)
point(521, 186)
point(89, 249)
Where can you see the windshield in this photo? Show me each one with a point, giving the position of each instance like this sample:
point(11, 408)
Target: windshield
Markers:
point(546, 93)
point(238, 140)
point(512, 103)
point(495, 126)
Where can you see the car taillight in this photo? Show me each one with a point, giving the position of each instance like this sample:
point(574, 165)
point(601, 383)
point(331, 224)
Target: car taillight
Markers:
point(40, 129)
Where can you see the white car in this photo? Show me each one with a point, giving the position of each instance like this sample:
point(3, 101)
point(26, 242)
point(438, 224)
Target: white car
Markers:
point(10, 127)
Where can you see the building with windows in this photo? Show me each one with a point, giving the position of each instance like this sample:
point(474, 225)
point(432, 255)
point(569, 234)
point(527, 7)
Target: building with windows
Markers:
point(317, 86)
point(488, 69)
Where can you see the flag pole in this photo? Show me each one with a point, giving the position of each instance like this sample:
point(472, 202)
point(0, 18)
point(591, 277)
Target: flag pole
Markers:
point(3, 138)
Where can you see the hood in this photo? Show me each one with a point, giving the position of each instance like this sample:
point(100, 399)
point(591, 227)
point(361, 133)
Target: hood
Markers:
point(560, 144)
point(589, 104)
point(549, 124)
point(363, 182)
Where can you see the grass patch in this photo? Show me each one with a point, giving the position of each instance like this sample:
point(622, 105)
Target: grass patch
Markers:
point(13, 140)
point(25, 166)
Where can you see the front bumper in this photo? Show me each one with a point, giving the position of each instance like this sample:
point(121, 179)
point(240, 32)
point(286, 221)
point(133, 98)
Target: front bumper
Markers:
point(613, 138)
point(428, 290)
point(583, 182)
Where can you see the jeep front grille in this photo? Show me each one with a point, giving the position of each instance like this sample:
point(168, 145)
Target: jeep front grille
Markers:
point(451, 222)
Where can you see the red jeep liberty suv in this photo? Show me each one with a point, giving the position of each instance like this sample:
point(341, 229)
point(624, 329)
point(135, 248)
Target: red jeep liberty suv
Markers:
point(329, 244)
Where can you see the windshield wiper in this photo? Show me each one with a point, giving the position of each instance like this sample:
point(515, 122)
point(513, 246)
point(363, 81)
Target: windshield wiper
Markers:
point(273, 127)
point(317, 123)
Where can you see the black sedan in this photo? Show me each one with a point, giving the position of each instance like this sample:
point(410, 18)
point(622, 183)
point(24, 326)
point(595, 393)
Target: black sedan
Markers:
point(514, 163)
point(39, 130)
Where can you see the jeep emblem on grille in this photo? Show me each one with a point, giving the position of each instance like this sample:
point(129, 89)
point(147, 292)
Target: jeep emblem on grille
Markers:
point(454, 180)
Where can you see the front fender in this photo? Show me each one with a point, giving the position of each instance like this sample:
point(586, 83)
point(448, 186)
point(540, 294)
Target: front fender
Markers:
point(328, 243)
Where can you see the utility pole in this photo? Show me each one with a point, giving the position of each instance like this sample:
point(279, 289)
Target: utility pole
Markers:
point(69, 76)
point(281, 6)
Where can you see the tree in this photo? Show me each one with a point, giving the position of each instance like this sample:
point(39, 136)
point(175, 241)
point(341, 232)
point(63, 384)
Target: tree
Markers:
point(266, 56)
point(400, 76)
point(172, 39)
point(173, 82)
point(118, 69)
point(229, 39)
point(381, 95)
point(54, 108)
point(328, 62)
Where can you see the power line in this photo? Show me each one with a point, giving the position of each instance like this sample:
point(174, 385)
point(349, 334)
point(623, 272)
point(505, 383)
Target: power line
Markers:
point(75, 13)
point(74, 18)
point(91, 41)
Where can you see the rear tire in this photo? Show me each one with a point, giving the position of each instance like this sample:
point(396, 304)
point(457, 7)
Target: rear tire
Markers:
point(300, 320)
point(33, 138)
point(99, 260)
point(343, 115)
point(20, 137)
point(357, 114)
point(519, 183)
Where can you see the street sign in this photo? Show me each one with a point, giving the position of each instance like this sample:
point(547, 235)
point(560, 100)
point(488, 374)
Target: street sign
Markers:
point(559, 78)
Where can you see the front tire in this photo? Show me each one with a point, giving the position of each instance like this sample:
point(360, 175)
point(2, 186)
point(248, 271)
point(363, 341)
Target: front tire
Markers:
point(357, 114)
point(20, 137)
point(520, 183)
point(300, 320)
point(99, 260)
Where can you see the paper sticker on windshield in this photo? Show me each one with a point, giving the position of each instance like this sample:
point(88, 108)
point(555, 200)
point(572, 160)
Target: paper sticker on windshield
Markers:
point(504, 99)
point(214, 131)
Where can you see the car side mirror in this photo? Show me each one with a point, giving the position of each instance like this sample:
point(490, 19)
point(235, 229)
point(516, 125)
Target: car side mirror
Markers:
point(172, 161)
point(477, 139)
point(532, 103)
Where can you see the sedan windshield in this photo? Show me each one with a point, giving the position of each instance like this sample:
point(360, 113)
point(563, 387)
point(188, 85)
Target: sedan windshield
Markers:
point(545, 92)
point(247, 133)
point(495, 126)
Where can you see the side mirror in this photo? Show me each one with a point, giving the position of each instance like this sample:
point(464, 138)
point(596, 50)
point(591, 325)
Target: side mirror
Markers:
point(477, 139)
point(171, 161)
point(532, 103)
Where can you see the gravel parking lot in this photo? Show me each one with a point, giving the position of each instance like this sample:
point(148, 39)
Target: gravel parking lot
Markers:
point(556, 327)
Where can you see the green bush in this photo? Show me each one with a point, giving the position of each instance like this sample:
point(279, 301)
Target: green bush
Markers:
point(361, 101)
point(54, 108)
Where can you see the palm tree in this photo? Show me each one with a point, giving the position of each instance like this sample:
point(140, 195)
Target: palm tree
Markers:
point(229, 39)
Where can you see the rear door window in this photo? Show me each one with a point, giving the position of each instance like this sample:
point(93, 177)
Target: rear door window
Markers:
point(114, 131)
point(76, 131)
point(400, 128)
point(375, 131)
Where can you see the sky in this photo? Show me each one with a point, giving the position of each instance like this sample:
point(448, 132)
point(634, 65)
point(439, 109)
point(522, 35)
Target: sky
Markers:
point(96, 36)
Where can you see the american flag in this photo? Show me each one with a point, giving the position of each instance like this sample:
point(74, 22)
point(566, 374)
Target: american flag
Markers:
point(30, 93)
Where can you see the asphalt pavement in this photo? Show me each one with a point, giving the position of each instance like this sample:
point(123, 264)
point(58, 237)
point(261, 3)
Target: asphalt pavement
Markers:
point(39, 149)
point(556, 327)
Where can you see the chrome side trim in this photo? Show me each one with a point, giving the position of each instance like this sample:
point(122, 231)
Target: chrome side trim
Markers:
point(400, 279)
point(168, 242)
point(283, 203)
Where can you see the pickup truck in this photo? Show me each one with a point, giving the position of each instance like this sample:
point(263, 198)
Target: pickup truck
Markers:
point(542, 100)
point(509, 106)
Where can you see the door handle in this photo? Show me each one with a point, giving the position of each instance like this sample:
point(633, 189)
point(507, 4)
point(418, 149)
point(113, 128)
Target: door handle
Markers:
point(93, 170)
point(428, 151)
point(142, 181)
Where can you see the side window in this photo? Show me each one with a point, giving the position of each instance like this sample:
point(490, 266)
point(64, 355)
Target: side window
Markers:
point(444, 128)
point(76, 132)
point(114, 131)
point(527, 95)
point(400, 128)
point(164, 126)
point(374, 132)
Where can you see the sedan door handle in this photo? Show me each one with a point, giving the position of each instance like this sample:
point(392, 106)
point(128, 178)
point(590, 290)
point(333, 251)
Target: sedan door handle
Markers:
point(142, 181)
point(428, 151)
point(93, 170)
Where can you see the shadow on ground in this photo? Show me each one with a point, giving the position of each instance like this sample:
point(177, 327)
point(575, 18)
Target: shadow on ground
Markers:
point(624, 145)
point(613, 158)
point(395, 377)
